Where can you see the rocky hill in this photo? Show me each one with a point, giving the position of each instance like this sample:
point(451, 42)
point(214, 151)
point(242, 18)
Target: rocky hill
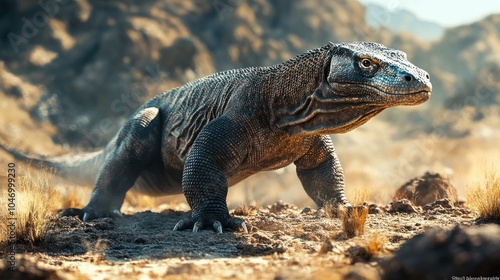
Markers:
point(402, 20)
point(84, 66)
point(465, 55)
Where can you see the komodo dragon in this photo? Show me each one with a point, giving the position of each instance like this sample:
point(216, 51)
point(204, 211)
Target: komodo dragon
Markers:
point(213, 132)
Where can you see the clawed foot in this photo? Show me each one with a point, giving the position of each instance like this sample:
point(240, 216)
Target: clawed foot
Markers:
point(216, 224)
point(86, 214)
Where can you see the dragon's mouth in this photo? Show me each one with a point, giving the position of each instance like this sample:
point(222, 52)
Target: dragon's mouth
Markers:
point(421, 93)
point(396, 97)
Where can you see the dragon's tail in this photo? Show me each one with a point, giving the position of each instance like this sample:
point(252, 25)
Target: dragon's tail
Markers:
point(81, 168)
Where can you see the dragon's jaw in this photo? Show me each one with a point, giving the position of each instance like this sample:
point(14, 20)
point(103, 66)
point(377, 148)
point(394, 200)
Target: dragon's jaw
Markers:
point(344, 107)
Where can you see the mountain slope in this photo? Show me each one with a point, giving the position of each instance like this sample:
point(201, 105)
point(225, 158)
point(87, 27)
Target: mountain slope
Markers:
point(402, 21)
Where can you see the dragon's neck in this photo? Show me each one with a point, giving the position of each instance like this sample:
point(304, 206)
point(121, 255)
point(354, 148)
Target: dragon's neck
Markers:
point(302, 102)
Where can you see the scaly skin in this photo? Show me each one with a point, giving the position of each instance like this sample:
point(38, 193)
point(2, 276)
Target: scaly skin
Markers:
point(209, 134)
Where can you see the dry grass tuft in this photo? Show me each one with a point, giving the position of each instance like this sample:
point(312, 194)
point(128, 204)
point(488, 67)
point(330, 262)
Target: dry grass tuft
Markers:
point(375, 244)
point(485, 197)
point(353, 219)
point(367, 250)
point(36, 201)
point(246, 210)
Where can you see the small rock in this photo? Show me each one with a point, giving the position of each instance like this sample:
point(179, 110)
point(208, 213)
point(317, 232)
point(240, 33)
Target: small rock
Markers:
point(444, 203)
point(306, 210)
point(325, 248)
point(402, 206)
point(374, 209)
point(461, 203)
point(280, 206)
point(358, 254)
point(261, 237)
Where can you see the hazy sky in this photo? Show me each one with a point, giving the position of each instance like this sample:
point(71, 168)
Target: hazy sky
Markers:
point(445, 12)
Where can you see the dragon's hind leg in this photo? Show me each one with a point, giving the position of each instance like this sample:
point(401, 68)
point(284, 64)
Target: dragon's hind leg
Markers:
point(136, 146)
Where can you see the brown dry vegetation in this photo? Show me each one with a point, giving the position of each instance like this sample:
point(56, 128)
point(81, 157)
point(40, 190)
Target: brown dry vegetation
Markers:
point(36, 202)
point(353, 220)
point(484, 197)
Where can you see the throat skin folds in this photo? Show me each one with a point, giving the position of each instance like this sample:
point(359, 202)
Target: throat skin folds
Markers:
point(320, 115)
point(306, 108)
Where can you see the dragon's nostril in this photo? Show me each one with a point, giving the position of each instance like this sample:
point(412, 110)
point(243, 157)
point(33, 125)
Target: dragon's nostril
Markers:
point(408, 78)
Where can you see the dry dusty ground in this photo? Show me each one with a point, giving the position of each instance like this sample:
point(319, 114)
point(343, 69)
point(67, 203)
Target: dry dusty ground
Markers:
point(284, 242)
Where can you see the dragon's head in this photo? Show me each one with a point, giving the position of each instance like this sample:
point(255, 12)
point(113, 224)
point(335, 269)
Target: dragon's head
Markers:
point(376, 74)
point(358, 80)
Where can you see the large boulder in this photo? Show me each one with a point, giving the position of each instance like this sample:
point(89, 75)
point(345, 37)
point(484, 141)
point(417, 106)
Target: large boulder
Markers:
point(441, 254)
point(427, 189)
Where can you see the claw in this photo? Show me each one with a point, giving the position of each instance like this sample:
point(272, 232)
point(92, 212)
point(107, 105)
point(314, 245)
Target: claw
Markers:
point(176, 227)
point(86, 217)
point(217, 227)
point(197, 226)
point(244, 226)
point(117, 213)
point(179, 226)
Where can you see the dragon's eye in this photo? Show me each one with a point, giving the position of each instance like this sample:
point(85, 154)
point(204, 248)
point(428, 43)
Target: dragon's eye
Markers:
point(366, 63)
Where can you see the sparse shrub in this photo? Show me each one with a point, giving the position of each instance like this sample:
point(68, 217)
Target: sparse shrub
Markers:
point(375, 244)
point(35, 204)
point(246, 210)
point(485, 197)
point(353, 219)
point(367, 250)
